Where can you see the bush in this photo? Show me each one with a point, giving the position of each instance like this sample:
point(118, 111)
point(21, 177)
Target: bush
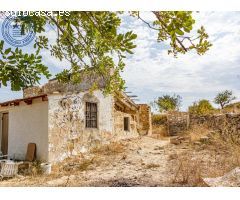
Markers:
point(201, 107)
point(158, 119)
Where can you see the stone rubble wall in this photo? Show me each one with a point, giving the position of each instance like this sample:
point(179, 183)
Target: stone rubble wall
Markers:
point(145, 119)
point(32, 91)
point(177, 122)
point(87, 81)
point(228, 125)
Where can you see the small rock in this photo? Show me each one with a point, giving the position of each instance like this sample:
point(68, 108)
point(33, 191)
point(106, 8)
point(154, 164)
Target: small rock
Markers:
point(124, 157)
point(175, 140)
point(197, 143)
point(58, 181)
point(173, 156)
point(158, 148)
point(230, 179)
point(204, 139)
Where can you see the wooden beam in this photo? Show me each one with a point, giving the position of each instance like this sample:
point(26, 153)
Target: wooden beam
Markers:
point(5, 105)
point(28, 101)
point(44, 98)
point(16, 103)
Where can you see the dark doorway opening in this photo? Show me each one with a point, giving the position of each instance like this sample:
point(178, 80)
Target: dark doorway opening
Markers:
point(4, 142)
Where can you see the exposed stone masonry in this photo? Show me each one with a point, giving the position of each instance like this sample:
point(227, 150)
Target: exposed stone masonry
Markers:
point(145, 119)
point(177, 122)
point(228, 125)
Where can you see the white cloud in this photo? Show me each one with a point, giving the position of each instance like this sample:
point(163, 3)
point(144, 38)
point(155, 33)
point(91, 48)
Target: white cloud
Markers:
point(151, 71)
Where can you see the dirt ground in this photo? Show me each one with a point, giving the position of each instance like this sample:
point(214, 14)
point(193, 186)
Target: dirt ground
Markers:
point(141, 161)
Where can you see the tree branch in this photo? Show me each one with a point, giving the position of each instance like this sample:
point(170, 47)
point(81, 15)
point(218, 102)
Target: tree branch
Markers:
point(156, 13)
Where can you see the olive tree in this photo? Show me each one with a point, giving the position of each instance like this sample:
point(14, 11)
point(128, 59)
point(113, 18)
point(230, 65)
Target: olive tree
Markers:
point(168, 103)
point(224, 98)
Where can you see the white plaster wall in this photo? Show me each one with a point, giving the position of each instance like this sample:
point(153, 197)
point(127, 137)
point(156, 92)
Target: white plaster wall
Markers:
point(105, 112)
point(28, 124)
point(0, 130)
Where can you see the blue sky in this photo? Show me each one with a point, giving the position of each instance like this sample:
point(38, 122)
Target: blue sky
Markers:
point(150, 72)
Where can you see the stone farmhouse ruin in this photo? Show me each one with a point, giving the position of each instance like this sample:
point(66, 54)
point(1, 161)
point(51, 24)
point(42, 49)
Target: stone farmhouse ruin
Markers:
point(64, 120)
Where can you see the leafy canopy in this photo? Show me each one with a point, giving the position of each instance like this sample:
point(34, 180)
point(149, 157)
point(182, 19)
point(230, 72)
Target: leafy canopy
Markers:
point(224, 98)
point(202, 107)
point(90, 41)
point(167, 103)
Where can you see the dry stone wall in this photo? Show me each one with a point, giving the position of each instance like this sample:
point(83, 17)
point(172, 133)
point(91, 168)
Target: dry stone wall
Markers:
point(228, 125)
point(177, 122)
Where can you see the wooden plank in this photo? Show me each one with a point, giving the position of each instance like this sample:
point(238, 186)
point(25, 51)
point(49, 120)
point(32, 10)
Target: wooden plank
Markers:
point(31, 152)
point(4, 142)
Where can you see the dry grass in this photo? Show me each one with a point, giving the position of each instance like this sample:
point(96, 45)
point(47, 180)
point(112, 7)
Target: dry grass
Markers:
point(30, 169)
point(197, 132)
point(188, 171)
point(160, 130)
point(152, 165)
point(109, 149)
point(212, 159)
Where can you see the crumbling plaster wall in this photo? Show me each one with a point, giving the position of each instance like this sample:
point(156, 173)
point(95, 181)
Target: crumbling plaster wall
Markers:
point(67, 133)
point(119, 132)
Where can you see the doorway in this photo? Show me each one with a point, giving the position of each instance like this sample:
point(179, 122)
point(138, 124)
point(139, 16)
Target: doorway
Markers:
point(4, 142)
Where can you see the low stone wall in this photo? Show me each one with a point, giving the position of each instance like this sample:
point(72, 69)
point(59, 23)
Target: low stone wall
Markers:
point(228, 125)
point(177, 122)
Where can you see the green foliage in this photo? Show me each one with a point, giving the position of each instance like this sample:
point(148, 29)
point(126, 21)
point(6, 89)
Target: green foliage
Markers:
point(159, 119)
point(224, 98)
point(201, 107)
point(20, 69)
point(176, 27)
point(90, 41)
point(167, 103)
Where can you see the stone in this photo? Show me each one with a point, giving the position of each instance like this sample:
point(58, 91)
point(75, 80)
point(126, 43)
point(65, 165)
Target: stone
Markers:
point(178, 122)
point(175, 140)
point(186, 139)
point(230, 179)
point(59, 181)
point(204, 139)
point(197, 143)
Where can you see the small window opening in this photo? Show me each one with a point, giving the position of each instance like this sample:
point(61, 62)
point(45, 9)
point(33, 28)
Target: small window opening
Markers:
point(91, 115)
point(126, 124)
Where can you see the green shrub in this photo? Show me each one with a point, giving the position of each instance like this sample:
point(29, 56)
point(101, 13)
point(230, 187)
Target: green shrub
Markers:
point(201, 107)
point(159, 119)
